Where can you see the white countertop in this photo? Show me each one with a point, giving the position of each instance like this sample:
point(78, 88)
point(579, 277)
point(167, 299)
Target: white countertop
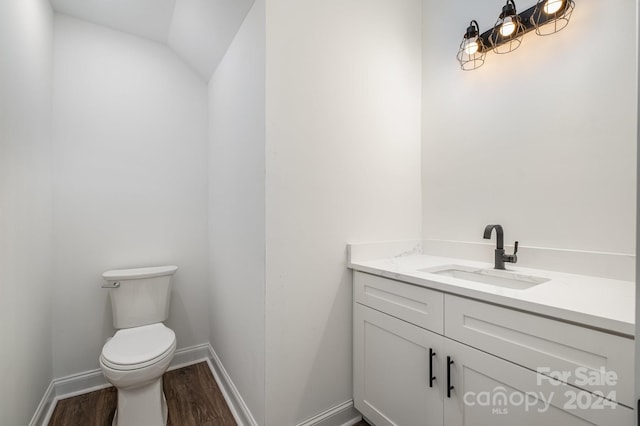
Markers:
point(595, 302)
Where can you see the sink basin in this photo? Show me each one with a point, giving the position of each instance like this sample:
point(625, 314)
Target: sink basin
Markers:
point(498, 278)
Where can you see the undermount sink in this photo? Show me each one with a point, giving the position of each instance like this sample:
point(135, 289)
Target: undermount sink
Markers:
point(499, 278)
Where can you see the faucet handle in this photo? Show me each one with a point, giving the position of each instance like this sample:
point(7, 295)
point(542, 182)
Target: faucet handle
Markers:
point(512, 258)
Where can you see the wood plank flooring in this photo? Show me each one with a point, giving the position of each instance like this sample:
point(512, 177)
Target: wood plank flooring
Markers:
point(91, 409)
point(193, 399)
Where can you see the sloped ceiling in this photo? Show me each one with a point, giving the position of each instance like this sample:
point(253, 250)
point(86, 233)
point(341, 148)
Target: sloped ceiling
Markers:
point(199, 31)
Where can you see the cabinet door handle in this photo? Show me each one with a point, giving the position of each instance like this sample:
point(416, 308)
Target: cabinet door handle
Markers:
point(449, 386)
point(431, 376)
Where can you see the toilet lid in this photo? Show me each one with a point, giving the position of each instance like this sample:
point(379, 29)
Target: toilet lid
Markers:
point(138, 345)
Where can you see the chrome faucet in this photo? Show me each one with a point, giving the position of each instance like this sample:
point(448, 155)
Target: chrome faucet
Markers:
point(500, 257)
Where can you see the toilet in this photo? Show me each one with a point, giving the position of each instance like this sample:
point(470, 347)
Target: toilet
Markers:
point(142, 348)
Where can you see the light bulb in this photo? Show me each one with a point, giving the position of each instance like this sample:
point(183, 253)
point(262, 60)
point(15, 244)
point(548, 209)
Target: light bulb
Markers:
point(552, 6)
point(471, 46)
point(508, 26)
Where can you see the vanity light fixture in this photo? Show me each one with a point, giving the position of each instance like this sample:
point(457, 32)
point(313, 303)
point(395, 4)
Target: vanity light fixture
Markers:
point(508, 32)
point(546, 17)
point(472, 49)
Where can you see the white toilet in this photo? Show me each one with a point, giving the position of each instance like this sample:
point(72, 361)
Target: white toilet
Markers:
point(137, 356)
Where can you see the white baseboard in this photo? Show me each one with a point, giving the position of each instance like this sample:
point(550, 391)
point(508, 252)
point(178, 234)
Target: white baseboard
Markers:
point(189, 356)
point(236, 404)
point(89, 381)
point(341, 415)
point(45, 408)
point(67, 387)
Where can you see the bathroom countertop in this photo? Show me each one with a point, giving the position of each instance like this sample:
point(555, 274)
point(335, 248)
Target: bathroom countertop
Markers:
point(601, 303)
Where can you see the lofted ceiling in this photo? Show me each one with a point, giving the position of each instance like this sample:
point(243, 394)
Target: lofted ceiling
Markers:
point(199, 31)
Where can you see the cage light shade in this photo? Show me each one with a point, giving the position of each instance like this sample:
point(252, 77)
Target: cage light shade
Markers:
point(508, 32)
point(472, 51)
point(551, 16)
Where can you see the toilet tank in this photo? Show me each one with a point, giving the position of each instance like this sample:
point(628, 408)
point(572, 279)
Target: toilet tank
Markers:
point(139, 296)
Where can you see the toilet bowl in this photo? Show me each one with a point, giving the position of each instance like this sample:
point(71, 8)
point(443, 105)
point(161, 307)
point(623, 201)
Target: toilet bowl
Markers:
point(134, 361)
point(139, 353)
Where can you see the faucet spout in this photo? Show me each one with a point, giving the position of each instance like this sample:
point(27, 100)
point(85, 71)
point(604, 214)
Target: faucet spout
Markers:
point(499, 235)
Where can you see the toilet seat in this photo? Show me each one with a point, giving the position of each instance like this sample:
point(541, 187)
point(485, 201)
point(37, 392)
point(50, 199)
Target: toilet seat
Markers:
point(138, 347)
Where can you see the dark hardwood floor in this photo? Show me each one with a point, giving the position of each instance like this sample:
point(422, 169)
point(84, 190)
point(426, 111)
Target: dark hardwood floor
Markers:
point(91, 409)
point(193, 399)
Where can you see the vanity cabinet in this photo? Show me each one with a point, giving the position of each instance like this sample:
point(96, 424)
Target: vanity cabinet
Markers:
point(422, 357)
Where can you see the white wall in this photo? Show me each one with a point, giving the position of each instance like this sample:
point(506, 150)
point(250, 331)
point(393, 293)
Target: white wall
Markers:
point(25, 207)
point(343, 165)
point(236, 210)
point(542, 140)
point(130, 183)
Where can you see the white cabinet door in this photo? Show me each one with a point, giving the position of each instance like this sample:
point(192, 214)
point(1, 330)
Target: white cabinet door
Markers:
point(491, 391)
point(392, 371)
